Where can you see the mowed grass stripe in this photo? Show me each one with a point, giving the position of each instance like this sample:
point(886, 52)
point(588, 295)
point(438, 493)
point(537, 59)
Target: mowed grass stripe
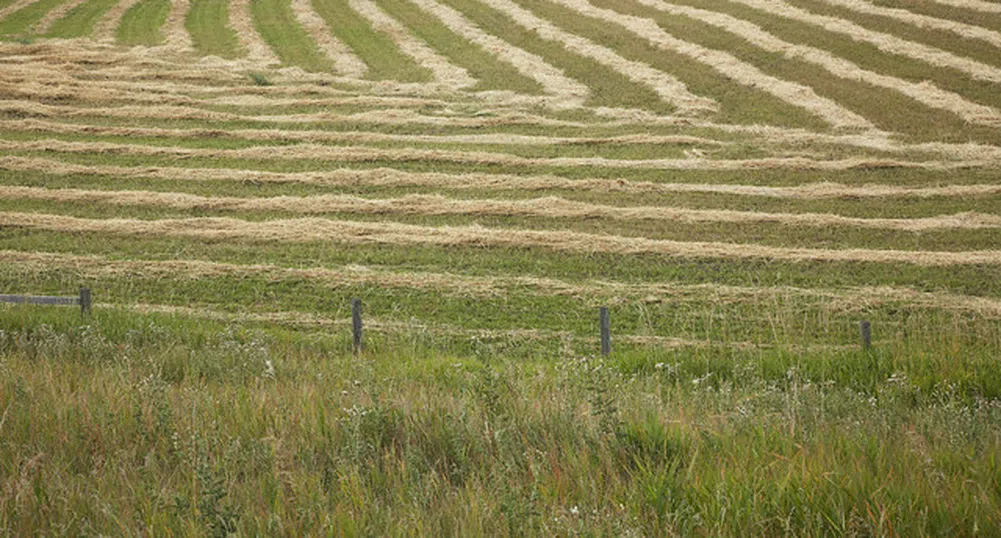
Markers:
point(390, 178)
point(102, 267)
point(371, 155)
point(902, 117)
point(44, 25)
point(344, 60)
point(670, 89)
point(384, 59)
point(278, 26)
point(211, 34)
point(727, 65)
point(143, 23)
point(315, 229)
point(548, 207)
point(489, 72)
point(21, 18)
point(106, 28)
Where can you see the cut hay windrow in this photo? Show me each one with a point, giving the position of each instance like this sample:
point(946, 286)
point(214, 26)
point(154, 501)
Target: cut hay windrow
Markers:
point(106, 28)
point(885, 42)
point(389, 178)
point(729, 66)
point(495, 139)
point(921, 21)
point(436, 205)
point(444, 72)
point(570, 93)
point(308, 230)
point(925, 92)
point(242, 21)
point(16, 6)
point(974, 5)
point(176, 33)
point(45, 23)
point(345, 61)
point(363, 154)
point(100, 267)
point(670, 89)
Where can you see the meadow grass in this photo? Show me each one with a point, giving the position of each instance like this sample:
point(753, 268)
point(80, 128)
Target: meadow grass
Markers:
point(142, 23)
point(407, 439)
point(208, 23)
point(277, 24)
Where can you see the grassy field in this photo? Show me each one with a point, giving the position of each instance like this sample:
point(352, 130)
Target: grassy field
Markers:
point(741, 182)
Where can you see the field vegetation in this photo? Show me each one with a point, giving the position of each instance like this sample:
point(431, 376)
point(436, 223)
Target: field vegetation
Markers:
point(741, 182)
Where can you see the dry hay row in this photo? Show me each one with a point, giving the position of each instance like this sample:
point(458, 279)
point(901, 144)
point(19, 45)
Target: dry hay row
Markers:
point(45, 23)
point(390, 178)
point(882, 41)
point(669, 88)
point(107, 26)
point(570, 93)
point(444, 72)
point(18, 5)
point(921, 21)
point(345, 61)
point(242, 21)
point(974, 5)
point(177, 37)
point(70, 92)
point(925, 92)
point(304, 230)
point(387, 116)
point(272, 135)
point(729, 66)
point(363, 154)
point(852, 299)
point(548, 207)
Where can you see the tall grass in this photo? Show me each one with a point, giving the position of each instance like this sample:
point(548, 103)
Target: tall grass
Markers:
point(160, 425)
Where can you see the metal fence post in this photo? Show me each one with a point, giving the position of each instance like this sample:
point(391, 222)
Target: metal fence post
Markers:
point(85, 301)
point(356, 327)
point(865, 329)
point(606, 332)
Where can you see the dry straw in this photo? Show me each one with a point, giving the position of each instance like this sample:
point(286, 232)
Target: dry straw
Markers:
point(730, 67)
point(669, 88)
point(974, 5)
point(174, 30)
point(444, 71)
point(344, 60)
point(392, 233)
point(362, 154)
point(387, 178)
point(883, 41)
point(242, 22)
point(571, 93)
point(548, 207)
point(921, 21)
point(107, 25)
point(925, 92)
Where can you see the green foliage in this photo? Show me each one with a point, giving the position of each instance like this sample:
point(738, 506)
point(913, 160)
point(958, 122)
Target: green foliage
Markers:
point(260, 79)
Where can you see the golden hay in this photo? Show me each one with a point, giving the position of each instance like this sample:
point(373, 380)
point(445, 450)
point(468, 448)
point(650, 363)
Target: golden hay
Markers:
point(548, 207)
point(392, 233)
point(344, 60)
point(922, 21)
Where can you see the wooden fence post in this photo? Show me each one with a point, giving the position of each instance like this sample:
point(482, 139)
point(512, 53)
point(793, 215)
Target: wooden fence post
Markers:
point(606, 332)
point(865, 328)
point(84, 301)
point(356, 324)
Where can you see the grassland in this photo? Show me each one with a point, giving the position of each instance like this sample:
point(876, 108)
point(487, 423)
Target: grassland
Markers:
point(740, 181)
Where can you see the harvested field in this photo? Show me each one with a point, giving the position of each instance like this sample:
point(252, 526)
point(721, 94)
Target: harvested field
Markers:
point(791, 210)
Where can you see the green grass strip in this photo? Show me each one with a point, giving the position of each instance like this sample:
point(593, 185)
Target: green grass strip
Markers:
point(142, 23)
point(208, 23)
point(21, 21)
point(276, 22)
point(81, 20)
point(383, 58)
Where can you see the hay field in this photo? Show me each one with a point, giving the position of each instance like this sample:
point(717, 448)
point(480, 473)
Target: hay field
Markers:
point(740, 181)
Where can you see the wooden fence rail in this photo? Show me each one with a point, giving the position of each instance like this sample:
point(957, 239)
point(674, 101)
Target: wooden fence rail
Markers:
point(83, 300)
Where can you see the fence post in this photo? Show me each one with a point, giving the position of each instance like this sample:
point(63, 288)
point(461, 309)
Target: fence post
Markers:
point(84, 301)
point(865, 328)
point(356, 324)
point(606, 332)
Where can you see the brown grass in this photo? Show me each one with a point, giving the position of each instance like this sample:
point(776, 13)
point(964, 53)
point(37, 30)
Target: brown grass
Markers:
point(386, 177)
point(549, 207)
point(105, 28)
point(391, 233)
